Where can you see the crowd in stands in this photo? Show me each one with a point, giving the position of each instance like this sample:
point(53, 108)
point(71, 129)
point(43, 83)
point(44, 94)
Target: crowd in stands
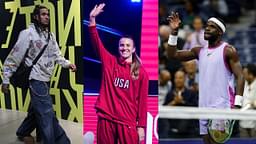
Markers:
point(178, 81)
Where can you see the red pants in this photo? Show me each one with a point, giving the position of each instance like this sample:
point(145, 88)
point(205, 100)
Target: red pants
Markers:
point(109, 132)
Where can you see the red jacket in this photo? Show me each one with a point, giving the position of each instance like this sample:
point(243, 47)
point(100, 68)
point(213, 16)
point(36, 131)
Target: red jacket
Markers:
point(121, 99)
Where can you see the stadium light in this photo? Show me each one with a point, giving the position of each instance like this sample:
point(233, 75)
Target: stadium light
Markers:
point(136, 1)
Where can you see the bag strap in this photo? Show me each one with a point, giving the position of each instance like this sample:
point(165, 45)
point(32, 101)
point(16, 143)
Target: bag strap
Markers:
point(42, 51)
point(26, 54)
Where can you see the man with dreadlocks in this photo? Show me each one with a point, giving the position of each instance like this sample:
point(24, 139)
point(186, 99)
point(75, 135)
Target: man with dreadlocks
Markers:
point(30, 42)
point(122, 103)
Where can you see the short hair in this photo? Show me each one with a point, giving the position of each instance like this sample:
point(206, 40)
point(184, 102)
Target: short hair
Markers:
point(251, 69)
point(182, 71)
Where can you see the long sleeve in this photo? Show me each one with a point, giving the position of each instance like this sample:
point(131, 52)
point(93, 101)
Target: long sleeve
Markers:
point(59, 58)
point(169, 97)
point(16, 55)
point(98, 45)
point(142, 103)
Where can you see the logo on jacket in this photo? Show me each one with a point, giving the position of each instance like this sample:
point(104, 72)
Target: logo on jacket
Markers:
point(122, 83)
point(38, 43)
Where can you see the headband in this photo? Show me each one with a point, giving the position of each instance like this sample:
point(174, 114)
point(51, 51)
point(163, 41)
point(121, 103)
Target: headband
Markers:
point(219, 23)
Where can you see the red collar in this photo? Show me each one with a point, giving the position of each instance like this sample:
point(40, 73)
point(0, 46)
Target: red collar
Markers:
point(123, 62)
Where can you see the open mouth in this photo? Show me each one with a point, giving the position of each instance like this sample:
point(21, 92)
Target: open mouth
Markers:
point(125, 51)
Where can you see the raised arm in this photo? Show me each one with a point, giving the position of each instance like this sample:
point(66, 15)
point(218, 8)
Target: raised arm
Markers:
point(95, 39)
point(183, 55)
point(95, 12)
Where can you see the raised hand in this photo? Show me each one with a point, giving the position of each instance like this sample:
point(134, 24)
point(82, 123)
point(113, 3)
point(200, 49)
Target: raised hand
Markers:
point(179, 99)
point(95, 12)
point(174, 21)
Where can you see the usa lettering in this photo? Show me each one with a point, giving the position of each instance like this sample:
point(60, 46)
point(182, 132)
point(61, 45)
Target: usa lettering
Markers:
point(122, 83)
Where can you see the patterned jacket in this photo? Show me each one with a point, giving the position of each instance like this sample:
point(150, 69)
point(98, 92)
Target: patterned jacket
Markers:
point(29, 39)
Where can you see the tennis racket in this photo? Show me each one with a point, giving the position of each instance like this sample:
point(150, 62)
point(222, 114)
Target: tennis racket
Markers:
point(221, 130)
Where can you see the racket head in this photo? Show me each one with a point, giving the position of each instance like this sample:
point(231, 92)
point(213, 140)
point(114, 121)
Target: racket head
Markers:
point(220, 130)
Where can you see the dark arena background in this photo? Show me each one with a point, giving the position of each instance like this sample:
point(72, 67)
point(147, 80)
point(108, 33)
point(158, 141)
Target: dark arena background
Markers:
point(133, 17)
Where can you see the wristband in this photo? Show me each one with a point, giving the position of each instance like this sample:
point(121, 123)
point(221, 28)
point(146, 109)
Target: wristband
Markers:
point(172, 40)
point(238, 100)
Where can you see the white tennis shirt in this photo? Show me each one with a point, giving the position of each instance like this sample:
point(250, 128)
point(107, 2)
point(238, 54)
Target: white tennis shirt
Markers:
point(216, 82)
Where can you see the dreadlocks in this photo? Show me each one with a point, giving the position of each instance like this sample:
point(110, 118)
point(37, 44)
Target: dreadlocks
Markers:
point(35, 14)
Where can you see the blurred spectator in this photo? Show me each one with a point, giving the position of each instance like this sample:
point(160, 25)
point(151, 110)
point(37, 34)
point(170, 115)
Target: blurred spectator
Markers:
point(188, 12)
point(163, 14)
point(216, 8)
point(165, 85)
point(192, 76)
point(196, 39)
point(164, 32)
point(247, 128)
point(254, 7)
point(181, 96)
point(171, 65)
point(162, 61)
point(248, 4)
point(234, 10)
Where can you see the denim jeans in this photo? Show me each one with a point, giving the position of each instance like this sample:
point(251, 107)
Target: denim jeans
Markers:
point(41, 115)
point(28, 125)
